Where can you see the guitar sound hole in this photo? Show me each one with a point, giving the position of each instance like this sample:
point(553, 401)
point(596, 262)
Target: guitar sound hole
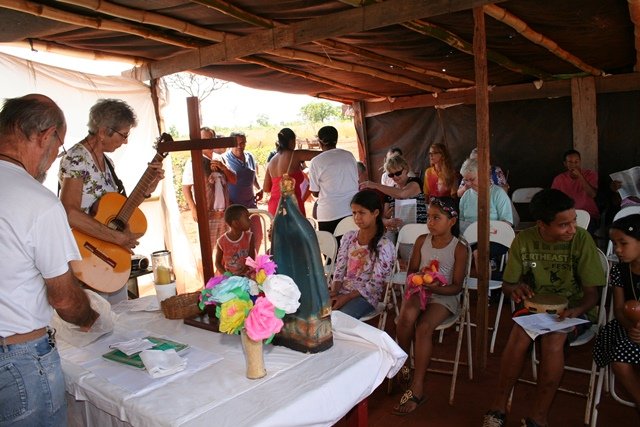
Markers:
point(116, 224)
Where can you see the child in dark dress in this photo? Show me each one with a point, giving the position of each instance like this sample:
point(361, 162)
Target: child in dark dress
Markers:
point(618, 342)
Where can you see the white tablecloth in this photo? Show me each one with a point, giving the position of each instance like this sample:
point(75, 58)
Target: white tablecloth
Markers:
point(299, 389)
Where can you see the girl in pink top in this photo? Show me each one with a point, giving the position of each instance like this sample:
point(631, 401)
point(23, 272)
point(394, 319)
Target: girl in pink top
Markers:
point(236, 244)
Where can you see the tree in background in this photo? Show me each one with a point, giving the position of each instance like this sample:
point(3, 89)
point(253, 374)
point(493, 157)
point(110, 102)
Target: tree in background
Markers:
point(195, 84)
point(263, 120)
point(318, 112)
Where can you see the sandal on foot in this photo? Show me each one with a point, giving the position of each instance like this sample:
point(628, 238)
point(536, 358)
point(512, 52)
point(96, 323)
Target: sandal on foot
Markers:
point(407, 397)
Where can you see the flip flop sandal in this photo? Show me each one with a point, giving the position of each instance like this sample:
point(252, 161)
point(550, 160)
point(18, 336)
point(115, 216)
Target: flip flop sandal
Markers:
point(407, 397)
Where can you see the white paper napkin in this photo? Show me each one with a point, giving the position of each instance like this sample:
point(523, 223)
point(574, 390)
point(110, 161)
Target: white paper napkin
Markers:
point(162, 363)
point(132, 346)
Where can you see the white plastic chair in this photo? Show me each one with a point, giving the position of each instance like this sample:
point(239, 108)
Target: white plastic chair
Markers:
point(499, 232)
point(523, 196)
point(313, 222)
point(462, 321)
point(266, 219)
point(584, 338)
point(329, 249)
point(347, 224)
point(382, 308)
point(583, 218)
point(406, 236)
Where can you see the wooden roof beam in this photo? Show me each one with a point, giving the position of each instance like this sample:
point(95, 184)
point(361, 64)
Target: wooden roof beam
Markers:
point(148, 18)
point(244, 16)
point(634, 11)
point(92, 55)
point(305, 75)
point(431, 30)
point(502, 15)
point(59, 15)
point(209, 35)
point(333, 25)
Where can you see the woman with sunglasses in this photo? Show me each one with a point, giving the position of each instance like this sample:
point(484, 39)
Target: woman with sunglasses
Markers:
point(405, 188)
point(440, 177)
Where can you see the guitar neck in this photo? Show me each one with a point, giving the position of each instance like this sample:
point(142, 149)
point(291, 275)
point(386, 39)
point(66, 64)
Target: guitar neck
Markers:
point(137, 195)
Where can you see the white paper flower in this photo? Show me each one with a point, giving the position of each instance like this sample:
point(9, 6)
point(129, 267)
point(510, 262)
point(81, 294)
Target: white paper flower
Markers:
point(253, 288)
point(282, 292)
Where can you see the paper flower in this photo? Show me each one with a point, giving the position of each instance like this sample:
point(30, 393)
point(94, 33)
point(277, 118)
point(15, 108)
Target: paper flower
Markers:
point(232, 315)
point(283, 293)
point(262, 322)
point(257, 306)
point(233, 287)
point(262, 262)
point(427, 275)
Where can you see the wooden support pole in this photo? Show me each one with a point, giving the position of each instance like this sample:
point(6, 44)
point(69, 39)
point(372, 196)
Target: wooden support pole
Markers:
point(361, 132)
point(482, 136)
point(585, 127)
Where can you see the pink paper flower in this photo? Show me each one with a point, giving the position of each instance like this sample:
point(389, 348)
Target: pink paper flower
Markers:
point(214, 281)
point(262, 323)
point(262, 262)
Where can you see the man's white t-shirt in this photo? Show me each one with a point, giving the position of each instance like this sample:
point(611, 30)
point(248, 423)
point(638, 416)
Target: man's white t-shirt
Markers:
point(334, 174)
point(36, 244)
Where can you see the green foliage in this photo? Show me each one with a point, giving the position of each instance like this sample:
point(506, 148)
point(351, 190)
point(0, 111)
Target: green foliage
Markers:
point(174, 132)
point(318, 112)
point(262, 120)
point(178, 159)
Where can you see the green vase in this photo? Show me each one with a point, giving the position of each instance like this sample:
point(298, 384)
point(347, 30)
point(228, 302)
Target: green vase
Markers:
point(295, 250)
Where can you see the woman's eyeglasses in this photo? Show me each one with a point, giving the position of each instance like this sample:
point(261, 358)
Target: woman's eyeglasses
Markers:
point(123, 135)
point(392, 174)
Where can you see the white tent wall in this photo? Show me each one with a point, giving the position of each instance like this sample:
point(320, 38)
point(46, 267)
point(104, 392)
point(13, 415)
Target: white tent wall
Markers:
point(75, 93)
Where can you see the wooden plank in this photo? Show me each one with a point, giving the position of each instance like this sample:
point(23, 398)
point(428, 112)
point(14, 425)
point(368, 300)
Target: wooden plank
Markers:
point(197, 144)
point(361, 132)
point(328, 26)
point(482, 136)
point(549, 89)
point(193, 111)
point(585, 127)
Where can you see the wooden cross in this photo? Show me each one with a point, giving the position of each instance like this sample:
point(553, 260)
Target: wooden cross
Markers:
point(196, 145)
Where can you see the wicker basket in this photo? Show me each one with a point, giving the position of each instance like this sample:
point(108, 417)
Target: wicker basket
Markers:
point(181, 306)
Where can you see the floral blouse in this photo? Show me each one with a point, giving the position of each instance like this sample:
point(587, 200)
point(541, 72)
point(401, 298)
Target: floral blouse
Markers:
point(358, 271)
point(78, 163)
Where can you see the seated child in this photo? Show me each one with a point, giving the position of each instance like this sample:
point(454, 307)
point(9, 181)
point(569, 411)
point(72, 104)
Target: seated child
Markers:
point(618, 342)
point(441, 250)
point(364, 261)
point(556, 257)
point(236, 244)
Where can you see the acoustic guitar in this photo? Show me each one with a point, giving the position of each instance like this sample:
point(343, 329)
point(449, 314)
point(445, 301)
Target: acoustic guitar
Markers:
point(106, 266)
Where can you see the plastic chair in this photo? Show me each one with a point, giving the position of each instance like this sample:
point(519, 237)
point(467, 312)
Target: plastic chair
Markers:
point(524, 195)
point(521, 197)
point(345, 225)
point(329, 249)
point(462, 322)
point(584, 338)
point(382, 308)
point(583, 218)
point(266, 219)
point(499, 232)
point(406, 236)
point(313, 222)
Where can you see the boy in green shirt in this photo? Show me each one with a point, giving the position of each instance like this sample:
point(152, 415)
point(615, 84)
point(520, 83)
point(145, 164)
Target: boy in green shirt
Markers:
point(554, 257)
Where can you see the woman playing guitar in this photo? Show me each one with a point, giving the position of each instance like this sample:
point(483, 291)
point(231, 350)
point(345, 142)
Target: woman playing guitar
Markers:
point(87, 174)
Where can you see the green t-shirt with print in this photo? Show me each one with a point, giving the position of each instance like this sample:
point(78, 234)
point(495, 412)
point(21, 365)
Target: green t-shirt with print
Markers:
point(561, 268)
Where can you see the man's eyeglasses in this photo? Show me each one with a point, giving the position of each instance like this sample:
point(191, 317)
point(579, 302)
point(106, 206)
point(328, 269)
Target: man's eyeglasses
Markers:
point(64, 151)
point(393, 174)
point(123, 135)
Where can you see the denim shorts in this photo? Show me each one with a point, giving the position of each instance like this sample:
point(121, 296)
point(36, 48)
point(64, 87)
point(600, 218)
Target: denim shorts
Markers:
point(357, 307)
point(32, 390)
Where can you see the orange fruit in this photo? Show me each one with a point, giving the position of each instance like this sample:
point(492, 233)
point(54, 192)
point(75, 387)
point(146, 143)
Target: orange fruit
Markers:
point(417, 280)
point(427, 278)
